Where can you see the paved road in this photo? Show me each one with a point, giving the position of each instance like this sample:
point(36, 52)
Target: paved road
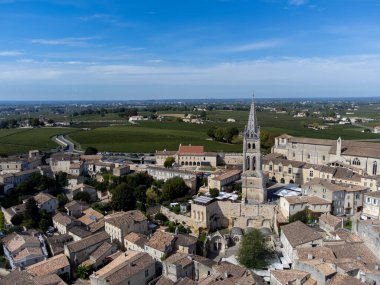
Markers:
point(67, 143)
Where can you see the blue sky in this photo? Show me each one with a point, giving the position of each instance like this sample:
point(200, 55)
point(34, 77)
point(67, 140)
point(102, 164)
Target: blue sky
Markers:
point(151, 49)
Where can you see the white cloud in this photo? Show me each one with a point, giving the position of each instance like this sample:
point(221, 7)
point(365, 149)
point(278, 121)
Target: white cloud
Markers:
point(155, 60)
point(335, 76)
point(10, 53)
point(297, 2)
point(80, 41)
point(260, 45)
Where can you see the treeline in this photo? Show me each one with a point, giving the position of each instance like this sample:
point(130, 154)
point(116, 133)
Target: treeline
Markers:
point(221, 134)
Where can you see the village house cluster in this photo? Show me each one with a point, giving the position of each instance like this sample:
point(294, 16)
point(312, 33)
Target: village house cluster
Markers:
point(316, 202)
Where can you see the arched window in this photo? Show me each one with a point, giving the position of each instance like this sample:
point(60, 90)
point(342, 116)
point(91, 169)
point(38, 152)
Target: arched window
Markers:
point(247, 163)
point(282, 181)
point(356, 161)
point(374, 168)
point(249, 146)
point(253, 146)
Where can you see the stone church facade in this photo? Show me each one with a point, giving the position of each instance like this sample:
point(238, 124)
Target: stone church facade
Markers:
point(252, 211)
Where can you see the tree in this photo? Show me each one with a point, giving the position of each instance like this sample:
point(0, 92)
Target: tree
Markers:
point(302, 216)
point(83, 271)
point(152, 196)
point(123, 198)
point(214, 192)
point(169, 161)
point(62, 200)
point(2, 221)
point(82, 196)
point(44, 224)
point(61, 179)
point(254, 251)
point(31, 210)
point(174, 188)
point(17, 219)
point(90, 151)
point(161, 218)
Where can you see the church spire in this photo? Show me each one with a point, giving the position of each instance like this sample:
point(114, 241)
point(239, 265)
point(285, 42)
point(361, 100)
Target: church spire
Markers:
point(252, 126)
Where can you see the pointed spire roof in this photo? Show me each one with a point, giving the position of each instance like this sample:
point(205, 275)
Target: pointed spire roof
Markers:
point(252, 119)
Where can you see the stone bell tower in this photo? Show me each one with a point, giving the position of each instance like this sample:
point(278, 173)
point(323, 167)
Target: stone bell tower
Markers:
point(253, 186)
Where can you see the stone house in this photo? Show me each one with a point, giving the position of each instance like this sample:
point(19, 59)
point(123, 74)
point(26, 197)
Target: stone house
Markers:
point(178, 265)
point(63, 222)
point(119, 224)
point(79, 251)
point(294, 204)
point(220, 180)
point(345, 199)
point(160, 245)
point(298, 235)
point(162, 173)
point(129, 268)
point(135, 241)
point(292, 276)
point(58, 264)
point(86, 188)
point(188, 156)
point(371, 207)
point(330, 223)
point(186, 243)
point(23, 250)
point(46, 202)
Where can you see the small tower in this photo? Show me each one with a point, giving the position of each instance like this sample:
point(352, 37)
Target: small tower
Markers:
point(253, 189)
point(339, 147)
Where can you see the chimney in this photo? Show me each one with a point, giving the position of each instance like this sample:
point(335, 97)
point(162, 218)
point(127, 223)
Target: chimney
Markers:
point(310, 256)
point(322, 260)
point(225, 274)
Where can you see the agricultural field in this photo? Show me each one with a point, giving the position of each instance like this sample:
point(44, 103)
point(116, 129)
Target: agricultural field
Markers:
point(114, 134)
point(23, 140)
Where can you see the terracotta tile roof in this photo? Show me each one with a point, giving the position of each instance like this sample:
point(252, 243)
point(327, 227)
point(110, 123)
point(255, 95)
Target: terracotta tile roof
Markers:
point(312, 200)
point(332, 186)
point(17, 277)
point(188, 149)
point(164, 281)
point(18, 241)
point(180, 259)
point(185, 240)
point(203, 260)
point(326, 268)
point(357, 251)
point(318, 253)
point(160, 240)
point(186, 281)
point(90, 216)
point(28, 252)
point(340, 279)
point(124, 266)
point(227, 174)
point(56, 243)
point(375, 194)
point(137, 238)
point(96, 227)
point(101, 250)
point(76, 206)
point(80, 232)
point(49, 266)
point(330, 219)
point(286, 277)
point(42, 198)
point(230, 269)
point(347, 236)
point(298, 233)
point(125, 218)
point(63, 219)
point(80, 245)
point(51, 279)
